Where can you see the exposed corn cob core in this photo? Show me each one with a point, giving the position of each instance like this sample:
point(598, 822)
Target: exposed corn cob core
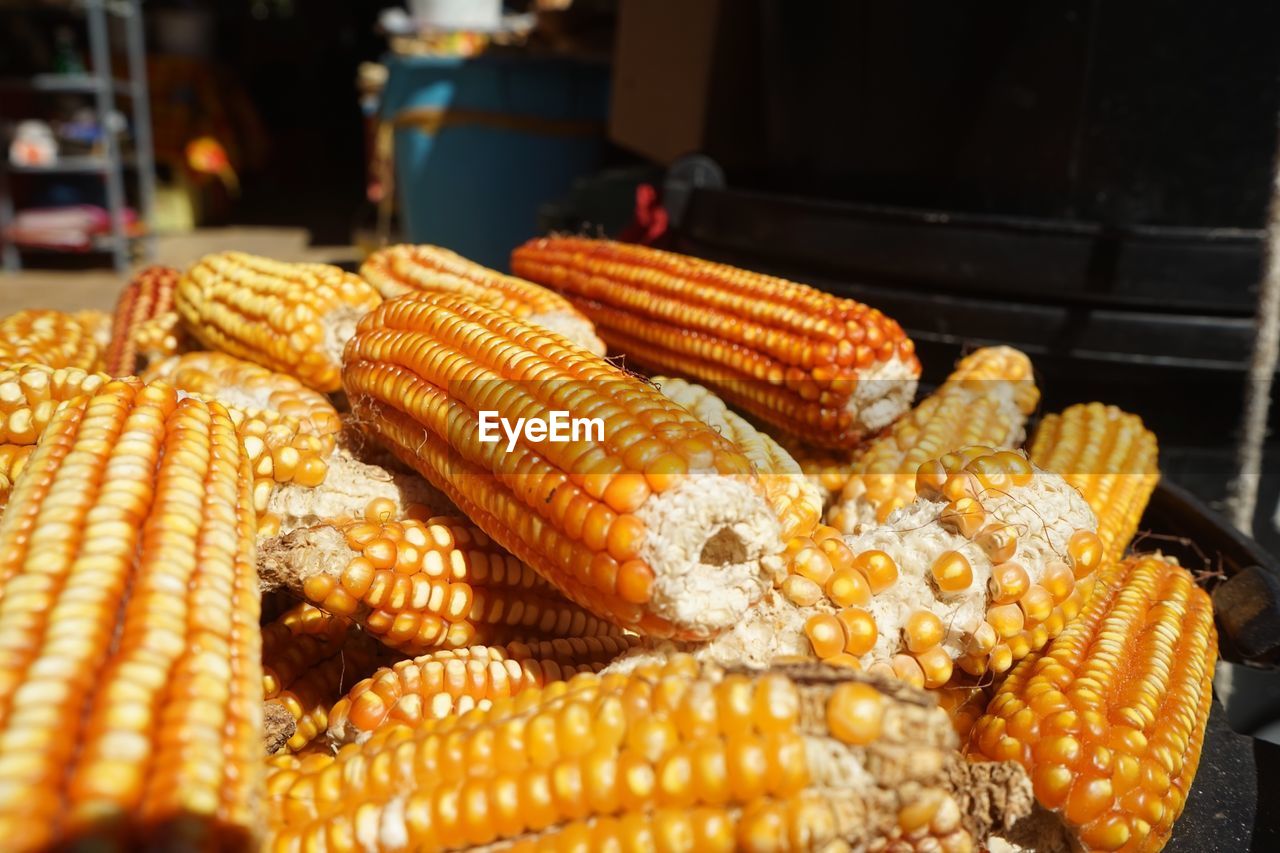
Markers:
point(397, 270)
point(796, 501)
point(422, 585)
point(985, 401)
point(1110, 719)
point(1110, 457)
point(51, 338)
point(310, 658)
point(747, 760)
point(455, 681)
point(292, 318)
point(147, 295)
point(975, 582)
point(130, 653)
point(661, 527)
point(830, 370)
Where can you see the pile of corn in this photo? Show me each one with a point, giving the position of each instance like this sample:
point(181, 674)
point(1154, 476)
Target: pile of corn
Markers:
point(267, 583)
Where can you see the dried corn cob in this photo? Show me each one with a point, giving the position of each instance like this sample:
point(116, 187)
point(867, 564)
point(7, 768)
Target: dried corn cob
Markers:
point(147, 295)
point(1110, 457)
point(660, 527)
point(984, 567)
point(830, 370)
point(51, 338)
point(397, 270)
point(278, 448)
point(985, 401)
point(454, 681)
point(161, 337)
point(1109, 721)
point(292, 318)
point(827, 470)
point(252, 388)
point(801, 758)
point(130, 672)
point(309, 659)
point(794, 499)
point(421, 585)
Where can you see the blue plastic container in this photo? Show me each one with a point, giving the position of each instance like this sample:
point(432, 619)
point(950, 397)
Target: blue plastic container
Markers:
point(481, 143)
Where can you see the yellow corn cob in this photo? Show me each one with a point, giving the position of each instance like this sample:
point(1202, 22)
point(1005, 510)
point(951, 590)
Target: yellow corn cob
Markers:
point(421, 585)
point(279, 450)
point(829, 370)
point(801, 758)
point(985, 401)
point(148, 295)
point(827, 470)
point(1110, 719)
point(659, 527)
point(794, 499)
point(50, 338)
point(292, 318)
point(397, 270)
point(1110, 457)
point(454, 681)
point(309, 659)
point(252, 388)
point(161, 337)
point(130, 659)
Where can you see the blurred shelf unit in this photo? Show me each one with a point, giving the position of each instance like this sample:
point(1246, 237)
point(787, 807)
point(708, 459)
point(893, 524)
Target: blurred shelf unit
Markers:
point(99, 84)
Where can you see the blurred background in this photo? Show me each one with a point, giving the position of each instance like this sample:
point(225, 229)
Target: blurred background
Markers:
point(1086, 181)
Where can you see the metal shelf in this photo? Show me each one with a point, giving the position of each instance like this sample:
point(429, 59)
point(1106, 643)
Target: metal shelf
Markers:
point(84, 165)
point(70, 84)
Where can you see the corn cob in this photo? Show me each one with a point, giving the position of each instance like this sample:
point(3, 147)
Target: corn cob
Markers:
point(397, 270)
point(130, 672)
point(147, 295)
point(984, 567)
point(50, 338)
point(827, 470)
point(794, 499)
point(800, 758)
point(309, 659)
point(829, 370)
point(253, 389)
point(985, 401)
point(1110, 457)
point(661, 527)
point(454, 681)
point(421, 585)
point(1109, 721)
point(161, 337)
point(292, 318)
point(13, 457)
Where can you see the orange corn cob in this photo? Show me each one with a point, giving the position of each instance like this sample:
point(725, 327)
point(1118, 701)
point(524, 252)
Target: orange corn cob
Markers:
point(660, 527)
point(309, 659)
point(252, 388)
point(1109, 721)
point(292, 318)
point(829, 370)
point(985, 401)
point(130, 659)
point(50, 338)
point(1110, 457)
point(668, 757)
point(454, 681)
point(397, 270)
point(147, 295)
point(421, 585)
point(794, 499)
